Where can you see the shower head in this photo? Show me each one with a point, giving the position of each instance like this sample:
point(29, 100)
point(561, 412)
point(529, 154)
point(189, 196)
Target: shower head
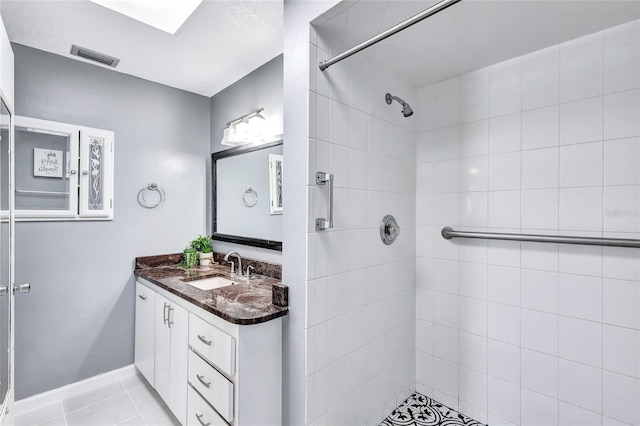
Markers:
point(407, 111)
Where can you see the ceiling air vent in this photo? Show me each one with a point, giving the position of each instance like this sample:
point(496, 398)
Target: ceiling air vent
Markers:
point(92, 55)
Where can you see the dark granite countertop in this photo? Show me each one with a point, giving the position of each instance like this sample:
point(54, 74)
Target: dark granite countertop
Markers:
point(245, 303)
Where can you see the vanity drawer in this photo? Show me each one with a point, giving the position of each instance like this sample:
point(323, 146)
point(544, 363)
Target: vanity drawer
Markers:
point(214, 345)
point(215, 388)
point(199, 413)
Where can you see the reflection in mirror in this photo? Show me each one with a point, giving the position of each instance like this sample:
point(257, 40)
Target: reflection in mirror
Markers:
point(45, 186)
point(5, 246)
point(247, 195)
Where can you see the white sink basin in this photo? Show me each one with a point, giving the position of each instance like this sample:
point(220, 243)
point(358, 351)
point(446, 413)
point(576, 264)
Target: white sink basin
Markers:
point(210, 283)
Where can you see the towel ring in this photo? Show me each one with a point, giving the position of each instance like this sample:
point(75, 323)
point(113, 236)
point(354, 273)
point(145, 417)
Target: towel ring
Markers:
point(250, 197)
point(154, 188)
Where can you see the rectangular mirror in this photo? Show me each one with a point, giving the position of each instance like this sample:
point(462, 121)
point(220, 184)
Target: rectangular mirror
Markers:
point(247, 195)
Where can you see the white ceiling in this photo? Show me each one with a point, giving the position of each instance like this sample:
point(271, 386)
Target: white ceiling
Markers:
point(469, 35)
point(222, 41)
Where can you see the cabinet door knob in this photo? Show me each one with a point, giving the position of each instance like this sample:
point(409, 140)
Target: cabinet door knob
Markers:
point(203, 340)
point(201, 379)
point(73, 172)
point(85, 172)
point(142, 296)
point(199, 417)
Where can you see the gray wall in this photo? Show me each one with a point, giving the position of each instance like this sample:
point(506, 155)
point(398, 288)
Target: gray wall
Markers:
point(262, 87)
point(78, 320)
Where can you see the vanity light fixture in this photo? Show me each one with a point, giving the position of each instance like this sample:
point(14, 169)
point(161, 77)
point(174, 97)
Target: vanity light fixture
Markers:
point(247, 129)
point(166, 15)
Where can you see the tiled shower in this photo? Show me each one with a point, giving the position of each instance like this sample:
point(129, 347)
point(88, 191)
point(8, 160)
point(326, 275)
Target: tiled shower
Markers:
point(504, 332)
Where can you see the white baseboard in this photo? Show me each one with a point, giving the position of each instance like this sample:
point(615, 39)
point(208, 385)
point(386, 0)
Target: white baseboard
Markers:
point(74, 389)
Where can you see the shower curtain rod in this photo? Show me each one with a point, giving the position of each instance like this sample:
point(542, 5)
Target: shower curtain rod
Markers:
point(449, 233)
point(388, 33)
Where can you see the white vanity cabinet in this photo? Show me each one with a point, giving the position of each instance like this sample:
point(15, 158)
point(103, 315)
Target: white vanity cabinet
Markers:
point(170, 350)
point(208, 370)
point(145, 332)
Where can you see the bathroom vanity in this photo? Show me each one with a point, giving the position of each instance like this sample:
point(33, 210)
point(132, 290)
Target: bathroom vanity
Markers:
point(214, 356)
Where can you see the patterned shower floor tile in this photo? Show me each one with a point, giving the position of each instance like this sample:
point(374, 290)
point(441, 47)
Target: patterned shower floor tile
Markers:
point(421, 410)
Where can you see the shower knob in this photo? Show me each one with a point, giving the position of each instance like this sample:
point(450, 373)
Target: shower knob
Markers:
point(389, 229)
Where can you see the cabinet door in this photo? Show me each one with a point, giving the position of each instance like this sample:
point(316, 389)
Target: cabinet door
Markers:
point(145, 332)
point(162, 348)
point(96, 173)
point(179, 325)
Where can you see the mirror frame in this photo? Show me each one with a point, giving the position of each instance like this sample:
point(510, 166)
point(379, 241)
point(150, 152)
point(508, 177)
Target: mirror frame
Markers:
point(215, 235)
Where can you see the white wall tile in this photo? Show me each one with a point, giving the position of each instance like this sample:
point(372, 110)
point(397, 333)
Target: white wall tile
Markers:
point(582, 121)
point(505, 96)
point(581, 46)
point(504, 361)
point(504, 209)
point(504, 400)
point(445, 309)
point(581, 385)
point(505, 133)
point(538, 409)
point(504, 171)
point(581, 77)
point(622, 34)
point(621, 263)
point(504, 285)
point(473, 280)
point(540, 58)
point(359, 130)
point(472, 386)
point(473, 352)
point(445, 343)
point(541, 86)
point(622, 162)
point(581, 296)
point(581, 165)
point(583, 260)
point(540, 168)
point(622, 68)
point(570, 415)
point(622, 208)
point(504, 323)
point(447, 176)
point(540, 127)
point(540, 373)
point(622, 350)
point(621, 396)
point(474, 138)
point(539, 290)
point(621, 301)
point(448, 109)
point(473, 316)
point(621, 112)
point(581, 341)
point(540, 209)
point(540, 256)
point(424, 369)
point(505, 68)
point(540, 331)
point(339, 119)
point(474, 174)
point(446, 276)
point(445, 377)
point(473, 209)
point(581, 209)
point(475, 103)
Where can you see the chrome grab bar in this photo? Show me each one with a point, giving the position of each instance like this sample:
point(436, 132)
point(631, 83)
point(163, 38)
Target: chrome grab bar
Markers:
point(449, 233)
point(322, 224)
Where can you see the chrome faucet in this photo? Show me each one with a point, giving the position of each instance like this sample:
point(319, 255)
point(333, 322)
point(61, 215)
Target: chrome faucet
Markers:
point(237, 255)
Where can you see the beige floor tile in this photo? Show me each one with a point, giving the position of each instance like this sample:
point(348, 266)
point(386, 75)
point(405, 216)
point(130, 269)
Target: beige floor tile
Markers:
point(77, 402)
point(109, 412)
point(40, 415)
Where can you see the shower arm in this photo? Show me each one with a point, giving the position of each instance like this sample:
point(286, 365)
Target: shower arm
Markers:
point(323, 65)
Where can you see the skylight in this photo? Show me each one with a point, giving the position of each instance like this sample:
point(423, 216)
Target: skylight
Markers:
point(165, 15)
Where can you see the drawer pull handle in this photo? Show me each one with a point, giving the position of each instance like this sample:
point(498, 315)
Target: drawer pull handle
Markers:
point(199, 417)
point(203, 340)
point(142, 296)
point(205, 384)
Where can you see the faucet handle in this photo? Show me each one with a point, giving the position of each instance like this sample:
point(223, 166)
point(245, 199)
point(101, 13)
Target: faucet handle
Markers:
point(249, 269)
point(233, 266)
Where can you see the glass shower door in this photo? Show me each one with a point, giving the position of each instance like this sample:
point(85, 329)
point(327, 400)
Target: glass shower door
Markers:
point(6, 266)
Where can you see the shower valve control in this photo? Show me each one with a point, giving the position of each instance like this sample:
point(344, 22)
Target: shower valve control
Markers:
point(389, 229)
